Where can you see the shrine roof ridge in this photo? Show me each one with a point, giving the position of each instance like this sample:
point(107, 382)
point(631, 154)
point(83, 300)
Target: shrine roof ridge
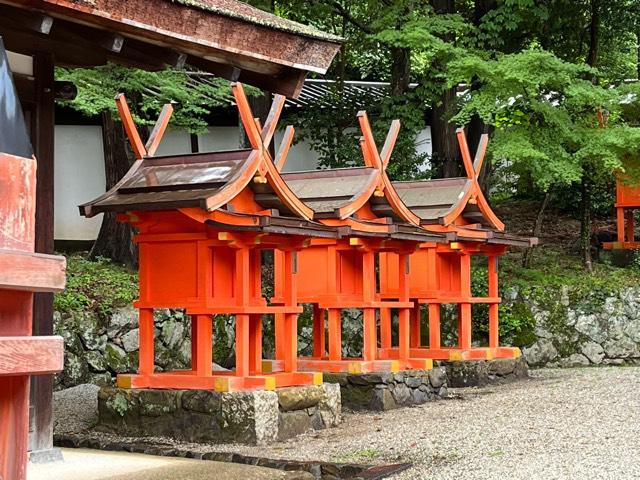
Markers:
point(251, 14)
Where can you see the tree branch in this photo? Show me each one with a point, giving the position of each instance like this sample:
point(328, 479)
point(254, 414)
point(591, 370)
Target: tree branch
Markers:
point(340, 10)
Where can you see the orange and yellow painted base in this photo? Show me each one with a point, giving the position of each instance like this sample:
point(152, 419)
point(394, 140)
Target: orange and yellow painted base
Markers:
point(621, 245)
point(345, 365)
point(454, 354)
point(219, 382)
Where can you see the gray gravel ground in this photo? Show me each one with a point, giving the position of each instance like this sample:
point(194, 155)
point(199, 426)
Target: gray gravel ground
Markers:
point(560, 424)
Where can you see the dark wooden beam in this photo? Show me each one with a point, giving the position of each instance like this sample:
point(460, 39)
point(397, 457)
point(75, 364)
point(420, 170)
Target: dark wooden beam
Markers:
point(20, 39)
point(43, 143)
point(40, 23)
point(33, 21)
point(285, 79)
point(112, 42)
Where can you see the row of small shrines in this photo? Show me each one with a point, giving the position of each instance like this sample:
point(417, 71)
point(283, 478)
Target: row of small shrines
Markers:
point(342, 239)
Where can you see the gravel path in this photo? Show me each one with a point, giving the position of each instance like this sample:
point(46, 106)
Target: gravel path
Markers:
point(561, 424)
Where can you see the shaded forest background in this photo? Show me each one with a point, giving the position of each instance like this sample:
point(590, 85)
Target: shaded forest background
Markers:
point(537, 75)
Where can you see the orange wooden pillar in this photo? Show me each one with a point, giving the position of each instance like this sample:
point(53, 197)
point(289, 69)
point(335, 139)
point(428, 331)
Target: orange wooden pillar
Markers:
point(286, 328)
point(319, 348)
point(620, 224)
point(369, 331)
point(494, 340)
point(464, 311)
point(404, 328)
point(202, 345)
point(630, 226)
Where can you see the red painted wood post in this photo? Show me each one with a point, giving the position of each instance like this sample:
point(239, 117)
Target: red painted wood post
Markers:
point(385, 327)
point(203, 342)
point(464, 332)
point(255, 344)
point(403, 313)
point(146, 334)
point(370, 340)
point(318, 331)
point(291, 319)
point(335, 334)
point(630, 225)
point(494, 330)
point(23, 272)
point(620, 224)
point(242, 294)
point(434, 325)
point(14, 414)
point(280, 333)
point(416, 328)
point(242, 345)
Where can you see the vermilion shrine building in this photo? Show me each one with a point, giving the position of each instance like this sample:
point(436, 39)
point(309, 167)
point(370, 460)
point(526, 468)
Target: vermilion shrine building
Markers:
point(205, 218)
point(341, 274)
point(231, 39)
point(627, 202)
point(441, 274)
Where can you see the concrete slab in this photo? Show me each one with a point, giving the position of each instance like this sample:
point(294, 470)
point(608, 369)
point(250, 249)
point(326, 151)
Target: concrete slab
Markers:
point(82, 464)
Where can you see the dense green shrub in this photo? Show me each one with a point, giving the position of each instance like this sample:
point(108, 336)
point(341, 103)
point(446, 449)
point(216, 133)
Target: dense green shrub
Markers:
point(96, 286)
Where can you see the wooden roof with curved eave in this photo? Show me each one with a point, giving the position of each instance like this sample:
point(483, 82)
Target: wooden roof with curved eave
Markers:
point(334, 193)
point(226, 37)
point(349, 196)
point(236, 186)
point(449, 205)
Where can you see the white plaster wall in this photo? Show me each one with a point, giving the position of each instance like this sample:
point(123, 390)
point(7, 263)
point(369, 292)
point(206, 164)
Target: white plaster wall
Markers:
point(79, 168)
point(174, 142)
point(219, 138)
point(79, 177)
point(19, 63)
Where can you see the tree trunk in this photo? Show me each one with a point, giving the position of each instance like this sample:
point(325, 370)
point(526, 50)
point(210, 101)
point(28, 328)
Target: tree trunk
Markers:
point(585, 206)
point(585, 223)
point(638, 54)
point(475, 129)
point(594, 34)
point(400, 70)
point(445, 154)
point(537, 229)
point(476, 126)
point(115, 238)
point(481, 8)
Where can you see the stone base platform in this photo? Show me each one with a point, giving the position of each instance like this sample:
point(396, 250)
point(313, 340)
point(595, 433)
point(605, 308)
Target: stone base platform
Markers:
point(386, 391)
point(484, 372)
point(255, 417)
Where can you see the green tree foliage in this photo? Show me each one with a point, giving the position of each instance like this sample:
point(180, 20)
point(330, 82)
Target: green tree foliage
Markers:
point(146, 93)
point(535, 74)
point(544, 111)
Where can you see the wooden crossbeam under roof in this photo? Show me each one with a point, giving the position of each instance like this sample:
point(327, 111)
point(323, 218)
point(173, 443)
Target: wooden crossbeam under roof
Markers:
point(228, 38)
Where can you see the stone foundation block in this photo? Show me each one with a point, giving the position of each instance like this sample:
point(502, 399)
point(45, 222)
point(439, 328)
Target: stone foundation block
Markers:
point(386, 391)
point(484, 372)
point(204, 416)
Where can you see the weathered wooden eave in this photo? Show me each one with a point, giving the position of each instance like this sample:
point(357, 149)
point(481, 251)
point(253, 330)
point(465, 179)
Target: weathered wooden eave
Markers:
point(149, 34)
